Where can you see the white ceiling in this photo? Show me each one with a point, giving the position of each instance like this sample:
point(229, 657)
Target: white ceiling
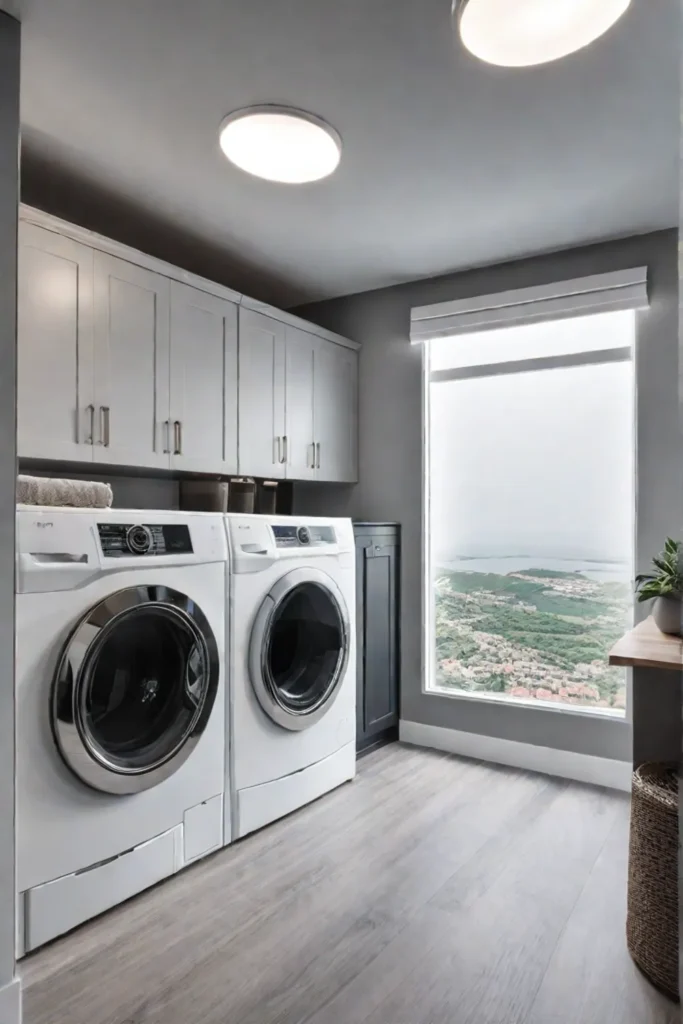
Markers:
point(448, 163)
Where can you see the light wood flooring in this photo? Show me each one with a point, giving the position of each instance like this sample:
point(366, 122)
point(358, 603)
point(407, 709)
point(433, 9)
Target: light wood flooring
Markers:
point(432, 890)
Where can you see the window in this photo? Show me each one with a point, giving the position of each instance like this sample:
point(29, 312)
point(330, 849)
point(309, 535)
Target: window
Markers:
point(530, 510)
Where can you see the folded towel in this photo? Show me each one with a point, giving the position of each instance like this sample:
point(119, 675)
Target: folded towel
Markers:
point(39, 490)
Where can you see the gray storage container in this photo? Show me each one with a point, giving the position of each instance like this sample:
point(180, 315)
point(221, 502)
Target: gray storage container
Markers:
point(242, 495)
point(203, 495)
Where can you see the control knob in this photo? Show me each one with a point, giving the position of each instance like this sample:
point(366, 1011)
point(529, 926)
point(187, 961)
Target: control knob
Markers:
point(139, 540)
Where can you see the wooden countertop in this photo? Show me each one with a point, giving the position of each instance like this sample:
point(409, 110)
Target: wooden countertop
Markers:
point(646, 646)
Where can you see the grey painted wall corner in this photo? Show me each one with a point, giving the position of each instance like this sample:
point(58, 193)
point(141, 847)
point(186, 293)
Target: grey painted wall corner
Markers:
point(390, 418)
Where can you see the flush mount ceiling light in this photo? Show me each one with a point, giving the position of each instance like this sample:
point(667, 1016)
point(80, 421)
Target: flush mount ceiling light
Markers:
point(280, 144)
point(518, 33)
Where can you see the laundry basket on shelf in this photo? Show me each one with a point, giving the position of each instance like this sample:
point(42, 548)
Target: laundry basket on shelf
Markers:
point(652, 922)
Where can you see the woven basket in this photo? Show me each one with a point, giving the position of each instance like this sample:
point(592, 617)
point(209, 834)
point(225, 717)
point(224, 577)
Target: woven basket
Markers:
point(652, 923)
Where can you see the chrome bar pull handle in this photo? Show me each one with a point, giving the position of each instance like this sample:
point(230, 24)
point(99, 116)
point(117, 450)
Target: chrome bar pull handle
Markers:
point(176, 438)
point(107, 426)
point(167, 430)
point(317, 459)
point(91, 410)
point(284, 448)
point(104, 426)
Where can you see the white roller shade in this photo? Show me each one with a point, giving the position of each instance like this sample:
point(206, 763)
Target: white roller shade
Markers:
point(622, 289)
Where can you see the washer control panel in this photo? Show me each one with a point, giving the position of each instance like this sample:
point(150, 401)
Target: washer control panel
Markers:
point(303, 536)
point(119, 540)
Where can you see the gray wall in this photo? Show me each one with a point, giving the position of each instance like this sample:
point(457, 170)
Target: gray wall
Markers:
point(391, 454)
point(9, 189)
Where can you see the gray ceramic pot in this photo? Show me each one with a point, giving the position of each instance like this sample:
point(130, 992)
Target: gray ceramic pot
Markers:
point(667, 614)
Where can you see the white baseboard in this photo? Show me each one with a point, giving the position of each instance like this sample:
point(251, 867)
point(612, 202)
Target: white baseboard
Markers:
point(600, 771)
point(10, 1003)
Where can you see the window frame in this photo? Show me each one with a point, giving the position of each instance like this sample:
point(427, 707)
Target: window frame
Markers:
point(591, 357)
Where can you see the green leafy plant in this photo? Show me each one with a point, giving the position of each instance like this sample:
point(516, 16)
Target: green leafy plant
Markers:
point(667, 581)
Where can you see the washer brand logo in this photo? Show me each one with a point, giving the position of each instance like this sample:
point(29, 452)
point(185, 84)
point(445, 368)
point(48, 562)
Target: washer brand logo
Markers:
point(44, 525)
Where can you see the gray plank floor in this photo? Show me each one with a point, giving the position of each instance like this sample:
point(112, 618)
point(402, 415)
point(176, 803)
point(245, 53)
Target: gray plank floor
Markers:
point(432, 890)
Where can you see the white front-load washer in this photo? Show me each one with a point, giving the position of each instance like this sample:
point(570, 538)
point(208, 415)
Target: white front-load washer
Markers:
point(292, 664)
point(120, 716)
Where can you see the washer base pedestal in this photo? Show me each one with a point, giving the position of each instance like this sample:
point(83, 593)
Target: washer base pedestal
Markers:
point(57, 907)
point(260, 805)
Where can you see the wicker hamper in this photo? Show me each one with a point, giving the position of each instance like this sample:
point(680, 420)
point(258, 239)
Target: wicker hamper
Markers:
point(652, 922)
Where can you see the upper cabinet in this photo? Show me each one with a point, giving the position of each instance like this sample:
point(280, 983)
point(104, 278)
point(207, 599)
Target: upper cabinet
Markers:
point(262, 450)
point(335, 412)
point(55, 396)
point(321, 386)
point(124, 360)
point(131, 364)
point(202, 425)
point(298, 403)
point(299, 385)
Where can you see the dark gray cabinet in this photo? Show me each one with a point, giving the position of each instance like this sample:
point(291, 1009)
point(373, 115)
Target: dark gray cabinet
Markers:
point(378, 552)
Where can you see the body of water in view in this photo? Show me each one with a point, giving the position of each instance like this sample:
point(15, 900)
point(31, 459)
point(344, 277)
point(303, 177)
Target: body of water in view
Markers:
point(603, 572)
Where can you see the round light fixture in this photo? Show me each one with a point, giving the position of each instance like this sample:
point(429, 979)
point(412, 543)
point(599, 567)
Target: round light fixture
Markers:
point(280, 144)
point(518, 33)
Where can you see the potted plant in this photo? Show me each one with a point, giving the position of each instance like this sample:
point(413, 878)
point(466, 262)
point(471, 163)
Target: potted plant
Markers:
point(665, 586)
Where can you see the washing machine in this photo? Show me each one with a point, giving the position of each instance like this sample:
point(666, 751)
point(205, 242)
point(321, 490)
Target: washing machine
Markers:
point(292, 664)
point(120, 714)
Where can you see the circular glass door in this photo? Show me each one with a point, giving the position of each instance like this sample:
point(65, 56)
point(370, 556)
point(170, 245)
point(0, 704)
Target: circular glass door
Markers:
point(134, 689)
point(299, 648)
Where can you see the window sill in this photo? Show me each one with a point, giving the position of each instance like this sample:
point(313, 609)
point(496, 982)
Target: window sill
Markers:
point(539, 705)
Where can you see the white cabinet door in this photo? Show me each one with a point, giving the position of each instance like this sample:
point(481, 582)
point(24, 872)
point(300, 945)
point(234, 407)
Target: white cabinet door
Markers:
point(203, 381)
point(132, 425)
point(336, 412)
point(299, 447)
point(55, 398)
point(261, 395)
